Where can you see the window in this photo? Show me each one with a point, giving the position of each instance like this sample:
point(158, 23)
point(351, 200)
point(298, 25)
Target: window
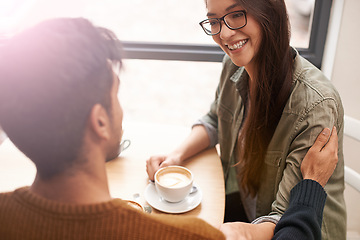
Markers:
point(309, 20)
point(167, 92)
point(317, 32)
point(166, 29)
point(155, 89)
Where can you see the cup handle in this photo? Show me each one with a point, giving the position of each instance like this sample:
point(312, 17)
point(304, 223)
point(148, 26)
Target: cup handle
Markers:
point(124, 145)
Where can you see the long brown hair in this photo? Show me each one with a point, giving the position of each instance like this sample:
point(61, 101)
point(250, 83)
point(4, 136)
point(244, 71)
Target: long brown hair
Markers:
point(270, 89)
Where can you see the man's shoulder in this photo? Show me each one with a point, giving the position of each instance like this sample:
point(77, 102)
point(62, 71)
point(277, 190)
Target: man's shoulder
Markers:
point(6, 196)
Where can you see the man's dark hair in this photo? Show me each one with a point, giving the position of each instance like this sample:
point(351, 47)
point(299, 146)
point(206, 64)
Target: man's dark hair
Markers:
point(51, 76)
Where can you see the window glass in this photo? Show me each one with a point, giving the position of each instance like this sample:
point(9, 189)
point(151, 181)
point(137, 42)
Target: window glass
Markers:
point(300, 15)
point(167, 92)
point(164, 21)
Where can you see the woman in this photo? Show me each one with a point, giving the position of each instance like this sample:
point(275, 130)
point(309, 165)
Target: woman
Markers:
point(270, 105)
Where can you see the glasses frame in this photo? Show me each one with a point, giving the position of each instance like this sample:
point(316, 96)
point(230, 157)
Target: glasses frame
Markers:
point(222, 19)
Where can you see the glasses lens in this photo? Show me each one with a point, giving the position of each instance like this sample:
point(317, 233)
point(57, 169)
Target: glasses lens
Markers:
point(211, 26)
point(235, 20)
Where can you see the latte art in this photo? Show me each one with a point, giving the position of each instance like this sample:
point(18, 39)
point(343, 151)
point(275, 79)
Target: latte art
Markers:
point(173, 180)
point(173, 183)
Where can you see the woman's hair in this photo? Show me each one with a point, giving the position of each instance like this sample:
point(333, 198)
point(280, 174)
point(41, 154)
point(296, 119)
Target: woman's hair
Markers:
point(270, 89)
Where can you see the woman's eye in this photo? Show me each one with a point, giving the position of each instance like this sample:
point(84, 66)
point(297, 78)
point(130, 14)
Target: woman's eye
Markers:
point(213, 23)
point(237, 15)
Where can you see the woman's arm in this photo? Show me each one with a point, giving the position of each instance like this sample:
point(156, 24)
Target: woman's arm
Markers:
point(303, 218)
point(306, 130)
point(202, 136)
point(197, 141)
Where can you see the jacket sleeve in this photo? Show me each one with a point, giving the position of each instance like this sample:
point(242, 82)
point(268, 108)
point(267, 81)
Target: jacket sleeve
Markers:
point(303, 218)
point(320, 115)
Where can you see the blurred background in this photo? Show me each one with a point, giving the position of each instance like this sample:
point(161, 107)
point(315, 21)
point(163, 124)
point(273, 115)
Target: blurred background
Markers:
point(171, 92)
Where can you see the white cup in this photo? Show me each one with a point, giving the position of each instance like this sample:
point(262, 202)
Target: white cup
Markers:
point(173, 183)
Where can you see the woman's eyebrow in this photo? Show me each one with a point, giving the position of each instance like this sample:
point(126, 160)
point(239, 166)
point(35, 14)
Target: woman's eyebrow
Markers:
point(209, 14)
point(232, 6)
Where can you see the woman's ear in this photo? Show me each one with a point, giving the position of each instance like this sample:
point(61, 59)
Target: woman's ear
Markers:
point(99, 121)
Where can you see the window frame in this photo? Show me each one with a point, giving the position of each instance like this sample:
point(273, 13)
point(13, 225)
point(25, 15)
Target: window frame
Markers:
point(213, 53)
point(319, 28)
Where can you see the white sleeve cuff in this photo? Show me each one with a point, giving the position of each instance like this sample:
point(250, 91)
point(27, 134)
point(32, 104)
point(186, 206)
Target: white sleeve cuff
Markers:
point(271, 218)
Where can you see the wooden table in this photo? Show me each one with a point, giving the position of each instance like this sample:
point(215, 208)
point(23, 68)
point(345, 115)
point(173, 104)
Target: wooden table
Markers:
point(127, 173)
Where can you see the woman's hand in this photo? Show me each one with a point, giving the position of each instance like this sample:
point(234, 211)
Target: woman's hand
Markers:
point(197, 141)
point(248, 231)
point(154, 163)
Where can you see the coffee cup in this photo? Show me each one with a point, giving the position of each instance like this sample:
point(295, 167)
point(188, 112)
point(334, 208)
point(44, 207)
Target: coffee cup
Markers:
point(173, 183)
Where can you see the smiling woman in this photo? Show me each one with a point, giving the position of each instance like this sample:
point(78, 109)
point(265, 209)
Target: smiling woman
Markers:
point(269, 106)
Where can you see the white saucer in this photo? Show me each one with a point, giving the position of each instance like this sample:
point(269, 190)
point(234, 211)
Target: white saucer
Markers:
point(157, 202)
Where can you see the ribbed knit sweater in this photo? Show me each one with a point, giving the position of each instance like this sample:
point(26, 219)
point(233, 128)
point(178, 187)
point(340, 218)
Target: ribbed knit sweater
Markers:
point(24, 215)
point(303, 218)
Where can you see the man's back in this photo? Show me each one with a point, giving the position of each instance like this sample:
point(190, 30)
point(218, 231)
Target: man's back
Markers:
point(25, 215)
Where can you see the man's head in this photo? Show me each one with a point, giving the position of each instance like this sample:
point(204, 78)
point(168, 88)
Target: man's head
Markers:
point(51, 77)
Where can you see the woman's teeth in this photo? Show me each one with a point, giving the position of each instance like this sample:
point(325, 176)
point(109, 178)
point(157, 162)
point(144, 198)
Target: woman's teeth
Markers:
point(237, 45)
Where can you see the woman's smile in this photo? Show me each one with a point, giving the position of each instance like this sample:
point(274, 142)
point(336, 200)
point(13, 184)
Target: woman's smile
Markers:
point(236, 46)
point(242, 44)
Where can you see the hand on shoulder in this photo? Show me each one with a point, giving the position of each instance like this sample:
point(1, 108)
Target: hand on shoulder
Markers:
point(320, 161)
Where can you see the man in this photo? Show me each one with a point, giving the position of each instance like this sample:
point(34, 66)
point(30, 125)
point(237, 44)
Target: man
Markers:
point(59, 105)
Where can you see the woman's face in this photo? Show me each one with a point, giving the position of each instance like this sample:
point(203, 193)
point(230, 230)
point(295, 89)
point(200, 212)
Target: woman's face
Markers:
point(241, 44)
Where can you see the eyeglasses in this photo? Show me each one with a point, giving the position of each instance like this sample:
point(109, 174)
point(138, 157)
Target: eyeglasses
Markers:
point(234, 20)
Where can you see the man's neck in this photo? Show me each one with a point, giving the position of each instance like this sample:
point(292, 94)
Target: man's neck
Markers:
point(77, 187)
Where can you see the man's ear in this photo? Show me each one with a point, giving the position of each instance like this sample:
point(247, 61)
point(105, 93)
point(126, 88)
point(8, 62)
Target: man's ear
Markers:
point(99, 121)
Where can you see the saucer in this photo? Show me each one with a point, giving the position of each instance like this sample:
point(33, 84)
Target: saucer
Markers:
point(189, 203)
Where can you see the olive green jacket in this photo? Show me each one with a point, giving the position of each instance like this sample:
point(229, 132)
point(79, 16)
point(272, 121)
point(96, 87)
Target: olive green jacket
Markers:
point(313, 105)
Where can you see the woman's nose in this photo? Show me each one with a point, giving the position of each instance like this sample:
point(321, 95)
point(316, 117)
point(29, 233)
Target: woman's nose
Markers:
point(226, 32)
